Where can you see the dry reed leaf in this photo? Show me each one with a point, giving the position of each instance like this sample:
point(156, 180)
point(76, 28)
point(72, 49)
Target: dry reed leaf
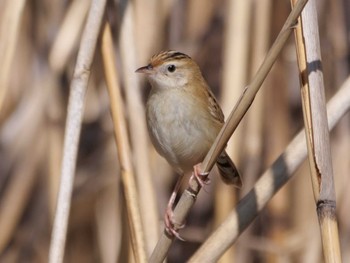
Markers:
point(10, 22)
point(16, 196)
point(68, 36)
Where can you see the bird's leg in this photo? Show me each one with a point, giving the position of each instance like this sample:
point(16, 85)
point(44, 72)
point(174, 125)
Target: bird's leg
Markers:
point(171, 226)
point(202, 178)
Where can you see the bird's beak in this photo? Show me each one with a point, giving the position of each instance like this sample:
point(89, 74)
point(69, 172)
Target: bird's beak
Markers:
point(146, 69)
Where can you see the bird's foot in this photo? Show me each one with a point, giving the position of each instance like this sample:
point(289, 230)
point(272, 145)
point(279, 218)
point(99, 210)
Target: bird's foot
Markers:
point(202, 178)
point(171, 227)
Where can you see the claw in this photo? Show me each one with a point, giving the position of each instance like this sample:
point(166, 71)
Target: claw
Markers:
point(170, 226)
point(202, 178)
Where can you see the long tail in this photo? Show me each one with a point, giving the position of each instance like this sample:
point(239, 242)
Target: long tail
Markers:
point(228, 170)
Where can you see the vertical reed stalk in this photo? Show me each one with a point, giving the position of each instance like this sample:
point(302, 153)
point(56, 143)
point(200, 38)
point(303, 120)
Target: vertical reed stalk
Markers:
point(138, 128)
point(123, 147)
point(235, 77)
point(316, 129)
point(73, 127)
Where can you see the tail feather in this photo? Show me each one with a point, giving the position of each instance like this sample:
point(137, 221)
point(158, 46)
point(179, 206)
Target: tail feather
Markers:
point(228, 171)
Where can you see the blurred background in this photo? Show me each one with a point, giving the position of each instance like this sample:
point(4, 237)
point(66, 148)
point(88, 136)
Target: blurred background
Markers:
point(39, 41)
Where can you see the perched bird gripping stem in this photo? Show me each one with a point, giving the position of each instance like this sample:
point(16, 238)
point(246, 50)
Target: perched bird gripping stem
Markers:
point(183, 120)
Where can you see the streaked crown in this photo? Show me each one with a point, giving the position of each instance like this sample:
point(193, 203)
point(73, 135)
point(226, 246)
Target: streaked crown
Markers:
point(166, 56)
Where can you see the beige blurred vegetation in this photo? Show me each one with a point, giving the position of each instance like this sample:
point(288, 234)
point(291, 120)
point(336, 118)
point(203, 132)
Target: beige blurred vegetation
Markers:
point(38, 47)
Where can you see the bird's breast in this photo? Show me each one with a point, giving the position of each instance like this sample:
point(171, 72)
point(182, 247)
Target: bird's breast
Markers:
point(180, 128)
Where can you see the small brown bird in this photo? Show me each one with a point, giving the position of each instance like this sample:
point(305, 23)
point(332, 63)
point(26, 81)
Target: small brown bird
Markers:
point(183, 119)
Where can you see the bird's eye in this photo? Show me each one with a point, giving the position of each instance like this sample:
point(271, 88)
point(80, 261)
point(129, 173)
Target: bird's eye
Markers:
point(171, 68)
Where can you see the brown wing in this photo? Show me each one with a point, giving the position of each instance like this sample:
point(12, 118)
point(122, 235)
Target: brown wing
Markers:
point(214, 107)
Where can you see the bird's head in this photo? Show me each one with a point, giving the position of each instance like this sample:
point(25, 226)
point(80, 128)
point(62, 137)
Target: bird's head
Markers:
point(170, 69)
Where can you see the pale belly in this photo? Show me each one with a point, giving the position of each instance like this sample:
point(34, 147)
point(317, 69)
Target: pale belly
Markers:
point(180, 132)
